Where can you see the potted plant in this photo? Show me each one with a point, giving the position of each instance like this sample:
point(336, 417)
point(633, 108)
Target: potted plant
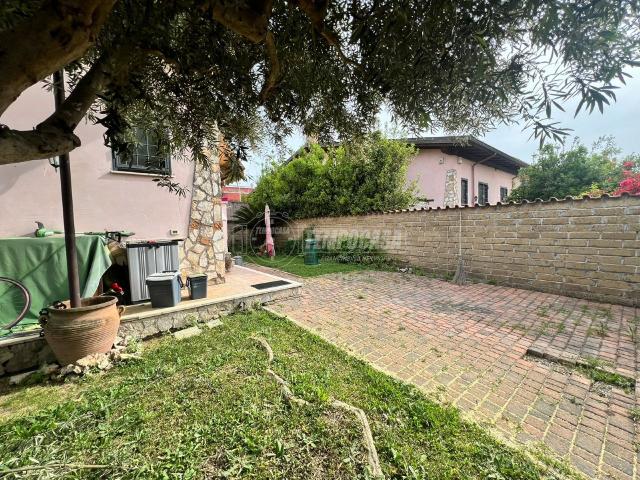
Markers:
point(75, 332)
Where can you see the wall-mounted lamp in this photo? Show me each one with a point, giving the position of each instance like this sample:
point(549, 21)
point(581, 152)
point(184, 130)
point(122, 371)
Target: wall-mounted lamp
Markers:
point(55, 162)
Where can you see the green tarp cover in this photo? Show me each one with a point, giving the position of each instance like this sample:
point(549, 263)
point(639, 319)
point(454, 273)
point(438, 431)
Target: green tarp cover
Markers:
point(41, 265)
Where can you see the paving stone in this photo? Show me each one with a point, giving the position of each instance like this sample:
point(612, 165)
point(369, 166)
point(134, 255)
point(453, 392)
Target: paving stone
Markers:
point(589, 443)
point(473, 340)
point(187, 333)
point(620, 465)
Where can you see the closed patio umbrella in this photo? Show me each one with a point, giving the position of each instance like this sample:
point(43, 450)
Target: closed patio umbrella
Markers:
point(271, 251)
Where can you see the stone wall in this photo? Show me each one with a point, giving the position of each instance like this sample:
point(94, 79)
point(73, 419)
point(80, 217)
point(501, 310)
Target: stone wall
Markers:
point(204, 247)
point(587, 248)
point(27, 352)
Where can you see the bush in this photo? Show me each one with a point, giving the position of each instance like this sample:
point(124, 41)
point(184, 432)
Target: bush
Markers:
point(351, 179)
point(294, 247)
point(578, 170)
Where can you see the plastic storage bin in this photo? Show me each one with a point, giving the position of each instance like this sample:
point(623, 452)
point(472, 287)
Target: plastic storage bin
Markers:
point(197, 284)
point(164, 289)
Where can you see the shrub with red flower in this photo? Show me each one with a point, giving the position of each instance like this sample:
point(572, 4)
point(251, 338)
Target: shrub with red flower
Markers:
point(630, 178)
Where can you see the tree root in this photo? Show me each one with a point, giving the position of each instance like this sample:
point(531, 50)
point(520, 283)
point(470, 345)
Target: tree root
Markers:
point(286, 391)
point(372, 453)
point(264, 344)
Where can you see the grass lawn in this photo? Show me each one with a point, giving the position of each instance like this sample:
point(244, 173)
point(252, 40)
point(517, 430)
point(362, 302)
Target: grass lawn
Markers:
point(295, 264)
point(205, 408)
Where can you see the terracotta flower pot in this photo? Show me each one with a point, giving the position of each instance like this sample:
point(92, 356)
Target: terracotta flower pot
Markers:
point(73, 333)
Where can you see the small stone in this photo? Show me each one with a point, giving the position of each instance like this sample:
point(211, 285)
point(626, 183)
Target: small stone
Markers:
point(71, 369)
point(207, 218)
point(164, 323)
point(198, 249)
point(187, 333)
point(198, 195)
point(104, 364)
point(118, 341)
point(124, 357)
point(213, 324)
point(207, 188)
point(193, 258)
point(91, 360)
point(20, 378)
point(49, 368)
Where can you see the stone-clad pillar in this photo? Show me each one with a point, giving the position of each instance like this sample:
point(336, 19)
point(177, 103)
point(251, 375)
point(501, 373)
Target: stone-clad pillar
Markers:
point(451, 198)
point(204, 248)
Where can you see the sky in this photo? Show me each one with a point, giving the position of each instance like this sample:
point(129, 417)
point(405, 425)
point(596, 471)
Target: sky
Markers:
point(620, 120)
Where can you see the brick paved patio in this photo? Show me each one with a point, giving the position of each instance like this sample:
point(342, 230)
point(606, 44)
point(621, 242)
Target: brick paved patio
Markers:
point(473, 346)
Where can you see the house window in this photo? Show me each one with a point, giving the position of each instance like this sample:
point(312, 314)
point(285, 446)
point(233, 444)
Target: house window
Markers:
point(145, 156)
point(464, 191)
point(504, 193)
point(483, 193)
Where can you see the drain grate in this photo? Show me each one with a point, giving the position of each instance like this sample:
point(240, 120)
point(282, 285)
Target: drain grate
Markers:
point(277, 283)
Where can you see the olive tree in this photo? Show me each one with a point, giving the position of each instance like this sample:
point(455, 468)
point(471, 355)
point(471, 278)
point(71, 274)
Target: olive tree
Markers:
point(249, 68)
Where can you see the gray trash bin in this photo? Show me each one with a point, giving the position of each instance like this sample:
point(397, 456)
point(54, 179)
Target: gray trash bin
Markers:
point(164, 289)
point(197, 284)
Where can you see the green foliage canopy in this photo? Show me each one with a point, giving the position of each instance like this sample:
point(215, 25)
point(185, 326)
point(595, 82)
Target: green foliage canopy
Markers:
point(258, 68)
point(356, 177)
point(578, 170)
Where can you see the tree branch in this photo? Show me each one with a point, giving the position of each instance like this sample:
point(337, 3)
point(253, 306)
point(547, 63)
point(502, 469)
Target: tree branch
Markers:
point(274, 73)
point(55, 136)
point(18, 146)
point(247, 18)
point(75, 107)
point(59, 33)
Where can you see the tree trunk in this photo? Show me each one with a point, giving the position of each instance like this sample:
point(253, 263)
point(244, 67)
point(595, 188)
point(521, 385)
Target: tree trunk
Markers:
point(59, 33)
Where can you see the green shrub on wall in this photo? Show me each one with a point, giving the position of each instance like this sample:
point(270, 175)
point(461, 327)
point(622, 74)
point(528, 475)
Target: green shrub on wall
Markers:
point(352, 250)
point(351, 179)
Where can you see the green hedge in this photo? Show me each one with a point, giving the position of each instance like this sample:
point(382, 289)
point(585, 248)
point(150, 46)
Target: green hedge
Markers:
point(351, 179)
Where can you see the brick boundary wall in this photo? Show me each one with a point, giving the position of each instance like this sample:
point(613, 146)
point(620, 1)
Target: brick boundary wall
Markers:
point(587, 248)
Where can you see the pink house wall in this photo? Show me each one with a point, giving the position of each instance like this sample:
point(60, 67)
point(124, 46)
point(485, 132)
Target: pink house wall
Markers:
point(103, 200)
point(429, 169)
